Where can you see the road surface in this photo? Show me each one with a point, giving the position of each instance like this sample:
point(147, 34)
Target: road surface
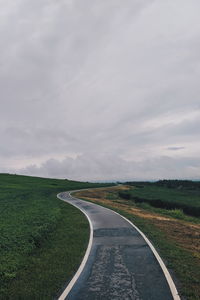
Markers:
point(120, 264)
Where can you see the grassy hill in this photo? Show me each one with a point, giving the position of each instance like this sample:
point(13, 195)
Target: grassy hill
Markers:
point(168, 194)
point(42, 239)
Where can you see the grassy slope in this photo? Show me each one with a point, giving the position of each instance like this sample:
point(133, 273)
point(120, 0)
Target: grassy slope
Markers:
point(42, 239)
point(188, 200)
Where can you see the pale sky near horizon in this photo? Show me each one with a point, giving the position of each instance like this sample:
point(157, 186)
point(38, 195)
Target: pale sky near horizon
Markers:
point(100, 89)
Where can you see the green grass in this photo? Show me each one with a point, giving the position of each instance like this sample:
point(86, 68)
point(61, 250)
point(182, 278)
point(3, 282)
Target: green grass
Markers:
point(42, 239)
point(167, 198)
point(173, 213)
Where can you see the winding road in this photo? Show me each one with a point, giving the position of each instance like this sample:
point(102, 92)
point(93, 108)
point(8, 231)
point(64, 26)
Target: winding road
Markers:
point(120, 263)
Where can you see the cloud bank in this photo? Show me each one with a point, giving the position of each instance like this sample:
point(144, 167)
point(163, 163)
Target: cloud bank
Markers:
point(100, 90)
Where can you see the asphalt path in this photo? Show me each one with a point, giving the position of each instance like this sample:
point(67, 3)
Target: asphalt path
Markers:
point(120, 264)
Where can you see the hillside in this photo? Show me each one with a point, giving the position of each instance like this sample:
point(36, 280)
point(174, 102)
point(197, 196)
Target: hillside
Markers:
point(42, 239)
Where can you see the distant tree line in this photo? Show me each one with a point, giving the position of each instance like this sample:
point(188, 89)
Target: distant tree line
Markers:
point(180, 184)
point(168, 183)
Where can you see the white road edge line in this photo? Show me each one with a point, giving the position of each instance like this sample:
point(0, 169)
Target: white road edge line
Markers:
point(85, 258)
point(168, 277)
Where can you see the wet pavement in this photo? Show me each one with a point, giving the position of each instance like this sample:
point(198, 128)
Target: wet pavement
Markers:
point(121, 265)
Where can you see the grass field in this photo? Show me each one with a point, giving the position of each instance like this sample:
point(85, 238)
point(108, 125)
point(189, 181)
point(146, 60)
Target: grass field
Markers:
point(175, 235)
point(42, 239)
point(186, 199)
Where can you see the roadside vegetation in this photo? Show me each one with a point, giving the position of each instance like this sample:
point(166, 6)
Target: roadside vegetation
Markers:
point(42, 239)
point(177, 194)
point(175, 235)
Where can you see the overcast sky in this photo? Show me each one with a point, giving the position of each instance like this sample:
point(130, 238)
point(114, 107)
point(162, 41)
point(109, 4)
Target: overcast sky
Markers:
point(100, 89)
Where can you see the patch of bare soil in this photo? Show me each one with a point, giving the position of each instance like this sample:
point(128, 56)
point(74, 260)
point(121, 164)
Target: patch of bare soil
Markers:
point(185, 234)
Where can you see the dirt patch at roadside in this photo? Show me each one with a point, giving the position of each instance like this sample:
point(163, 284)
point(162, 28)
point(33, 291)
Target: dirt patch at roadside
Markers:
point(185, 234)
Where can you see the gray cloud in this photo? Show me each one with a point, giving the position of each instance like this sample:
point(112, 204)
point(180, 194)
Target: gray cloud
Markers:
point(107, 167)
point(93, 82)
point(175, 148)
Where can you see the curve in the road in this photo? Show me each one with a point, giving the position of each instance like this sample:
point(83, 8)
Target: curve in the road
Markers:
point(120, 262)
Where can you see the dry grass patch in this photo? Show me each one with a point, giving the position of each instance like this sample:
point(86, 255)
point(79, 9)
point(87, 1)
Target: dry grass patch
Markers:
point(185, 234)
